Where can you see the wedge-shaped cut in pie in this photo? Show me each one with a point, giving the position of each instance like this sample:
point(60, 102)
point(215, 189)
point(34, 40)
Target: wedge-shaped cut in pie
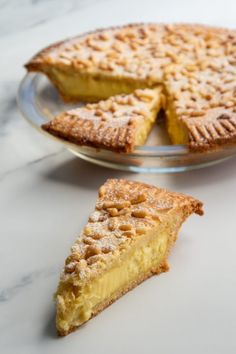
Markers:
point(126, 240)
point(118, 124)
point(195, 64)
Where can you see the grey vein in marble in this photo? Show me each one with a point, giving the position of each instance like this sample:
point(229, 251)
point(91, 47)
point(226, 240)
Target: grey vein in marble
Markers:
point(20, 144)
point(24, 281)
point(30, 163)
point(34, 12)
point(8, 105)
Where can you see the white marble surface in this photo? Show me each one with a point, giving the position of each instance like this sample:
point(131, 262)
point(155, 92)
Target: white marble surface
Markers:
point(46, 195)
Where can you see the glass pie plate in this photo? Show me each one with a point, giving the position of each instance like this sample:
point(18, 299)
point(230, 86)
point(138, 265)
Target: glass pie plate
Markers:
point(39, 102)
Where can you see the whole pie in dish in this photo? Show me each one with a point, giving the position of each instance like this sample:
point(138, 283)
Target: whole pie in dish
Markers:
point(126, 240)
point(194, 65)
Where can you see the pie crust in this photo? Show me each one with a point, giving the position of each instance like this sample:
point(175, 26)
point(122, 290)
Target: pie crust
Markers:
point(117, 124)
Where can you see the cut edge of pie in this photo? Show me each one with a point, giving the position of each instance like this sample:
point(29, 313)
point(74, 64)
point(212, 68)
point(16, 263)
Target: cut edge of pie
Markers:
point(118, 123)
point(83, 85)
point(126, 240)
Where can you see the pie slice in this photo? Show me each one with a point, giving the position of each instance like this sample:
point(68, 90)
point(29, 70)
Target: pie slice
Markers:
point(118, 124)
point(195, 64)
point(126, 240)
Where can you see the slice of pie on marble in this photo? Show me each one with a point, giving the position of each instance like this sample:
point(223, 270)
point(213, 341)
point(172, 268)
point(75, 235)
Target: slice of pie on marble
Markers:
point(118, 123)
point(126, 240)
point(195, 64)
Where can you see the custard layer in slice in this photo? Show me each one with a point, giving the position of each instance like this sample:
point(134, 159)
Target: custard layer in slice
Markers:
point(126, 240)
point(118, 124)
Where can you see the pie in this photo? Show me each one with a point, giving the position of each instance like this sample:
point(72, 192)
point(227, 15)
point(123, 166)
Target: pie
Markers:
point(195, 65)
point(127, 239)
point(118, 123)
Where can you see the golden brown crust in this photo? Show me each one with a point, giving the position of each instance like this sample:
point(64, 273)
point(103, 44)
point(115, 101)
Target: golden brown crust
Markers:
point(110, 124)
point(92, 133)
point(136, 192)
point(217, 128)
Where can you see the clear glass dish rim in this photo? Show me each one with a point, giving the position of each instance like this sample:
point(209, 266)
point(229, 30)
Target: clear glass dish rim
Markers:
point(26, 101)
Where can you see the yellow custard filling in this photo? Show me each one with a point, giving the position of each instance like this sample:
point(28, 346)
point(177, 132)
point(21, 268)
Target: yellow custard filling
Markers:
point(91, 88)
point(176, 129)
point(144, 129)
point(145, 257)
